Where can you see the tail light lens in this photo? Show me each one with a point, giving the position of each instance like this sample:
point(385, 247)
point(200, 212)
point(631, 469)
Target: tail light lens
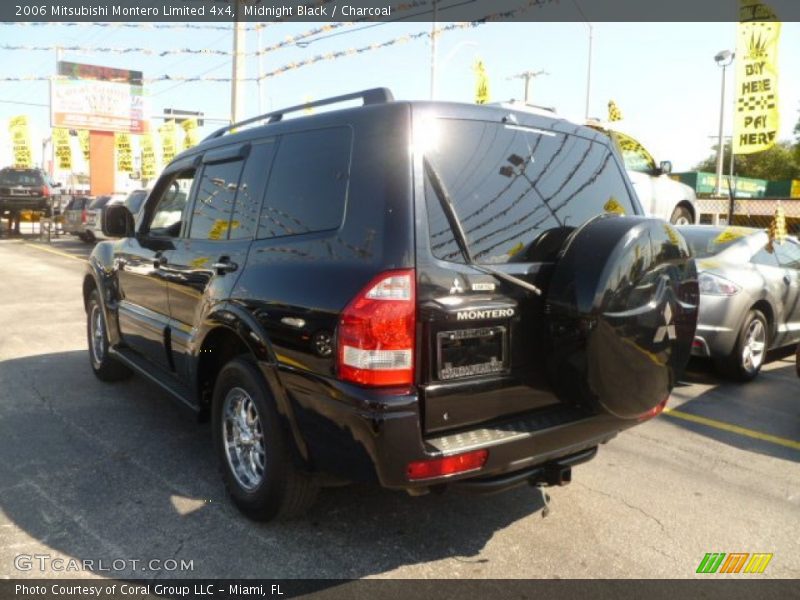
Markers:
point(376, 337)
point(45, 191)
point(714, 285)
point(83, 216)
point(447, 465)
point(655, 411)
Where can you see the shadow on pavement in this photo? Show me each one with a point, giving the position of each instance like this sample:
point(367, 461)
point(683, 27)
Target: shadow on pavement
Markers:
point(93, 470)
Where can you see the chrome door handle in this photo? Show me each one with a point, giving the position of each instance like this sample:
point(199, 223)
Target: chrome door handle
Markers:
point(159, 261)
point(224, 266)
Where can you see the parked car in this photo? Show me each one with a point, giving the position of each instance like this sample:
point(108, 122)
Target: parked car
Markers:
point(134, 201)
point(25, 189)
point(749, 296)
point(75, 216)
point(659, 194)
point(491, 322)
point(93, 226)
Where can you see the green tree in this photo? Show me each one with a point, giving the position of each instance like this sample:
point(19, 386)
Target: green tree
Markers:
point(779, 163)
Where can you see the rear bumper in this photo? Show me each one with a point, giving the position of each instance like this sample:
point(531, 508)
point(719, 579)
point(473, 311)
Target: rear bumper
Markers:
point(24, 203)
point(361, 434)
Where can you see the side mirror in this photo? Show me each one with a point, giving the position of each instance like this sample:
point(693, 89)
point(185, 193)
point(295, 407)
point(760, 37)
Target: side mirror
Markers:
point(665, 167)
point(117, 221)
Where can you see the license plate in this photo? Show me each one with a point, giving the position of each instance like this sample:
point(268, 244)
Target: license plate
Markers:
point(19, 193)
point(471, 352)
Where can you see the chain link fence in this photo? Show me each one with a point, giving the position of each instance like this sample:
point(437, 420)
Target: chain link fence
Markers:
point(748, 212)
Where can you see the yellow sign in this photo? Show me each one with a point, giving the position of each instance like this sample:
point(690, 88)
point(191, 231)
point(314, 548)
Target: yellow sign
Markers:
point(168, 143)
point(756, 116)
point(148, 157)
point(481, 83)
point(795, 191)
point(62, 148)
point(614, 113)
point(21, 140)
point(189, 133)
point(122, 141)
point(83, 138)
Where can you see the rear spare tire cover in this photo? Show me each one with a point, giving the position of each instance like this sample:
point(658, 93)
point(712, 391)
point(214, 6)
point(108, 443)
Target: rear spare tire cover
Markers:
point(622, 310)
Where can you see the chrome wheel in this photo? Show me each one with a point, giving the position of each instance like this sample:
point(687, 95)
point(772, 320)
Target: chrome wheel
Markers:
point(97, 335)
point(243, 438)
point(682, 220)
point(754, 347)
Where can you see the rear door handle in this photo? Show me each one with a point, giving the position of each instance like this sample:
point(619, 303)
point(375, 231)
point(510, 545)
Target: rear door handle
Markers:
point(159, 261)
point(224, 265)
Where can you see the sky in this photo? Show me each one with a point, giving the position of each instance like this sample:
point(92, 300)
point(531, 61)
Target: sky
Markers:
point(662, 76)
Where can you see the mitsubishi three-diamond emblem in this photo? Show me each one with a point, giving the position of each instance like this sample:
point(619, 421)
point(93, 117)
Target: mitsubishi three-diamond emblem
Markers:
point(457, 287)
point(668, 328)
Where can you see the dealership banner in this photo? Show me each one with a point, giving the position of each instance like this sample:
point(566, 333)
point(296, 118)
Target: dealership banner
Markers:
point(756, 117)
point(122, 143)
point(168, 141)
point(189, 133)
point(62, 149)
point(21, 141)
point(83, 139)
point(98, 98)
point(148, 153)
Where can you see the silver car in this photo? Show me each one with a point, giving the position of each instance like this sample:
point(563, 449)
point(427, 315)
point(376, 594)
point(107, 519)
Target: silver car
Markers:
point(749, 296)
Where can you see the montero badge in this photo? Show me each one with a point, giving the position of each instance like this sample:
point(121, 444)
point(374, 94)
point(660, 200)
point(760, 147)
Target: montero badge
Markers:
point(492, 313)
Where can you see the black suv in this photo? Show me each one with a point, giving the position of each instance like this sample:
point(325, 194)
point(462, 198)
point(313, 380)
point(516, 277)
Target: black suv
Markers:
point(418, 294)
point(24, 189)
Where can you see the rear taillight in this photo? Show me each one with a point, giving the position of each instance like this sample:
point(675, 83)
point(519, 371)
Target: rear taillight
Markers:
point(447, 465)
point(45, 191)
point(375, 341)
point(83, 216)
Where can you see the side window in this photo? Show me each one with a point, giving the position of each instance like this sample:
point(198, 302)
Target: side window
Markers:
point(764, 257)
point(213, 206)
point(633, 153)
point(308, 183)
point(251, 191)
point(167, 218)
point(788, 254)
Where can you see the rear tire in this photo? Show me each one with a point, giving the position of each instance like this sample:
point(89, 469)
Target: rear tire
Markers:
point(750, 350)
point(252, 449)
point(681, 216)
point(104, 366)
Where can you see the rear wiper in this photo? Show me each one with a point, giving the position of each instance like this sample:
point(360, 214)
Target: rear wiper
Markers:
point(446, 203)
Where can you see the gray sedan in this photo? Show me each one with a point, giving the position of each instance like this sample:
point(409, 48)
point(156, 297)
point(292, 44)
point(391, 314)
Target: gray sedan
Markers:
point(749, 296)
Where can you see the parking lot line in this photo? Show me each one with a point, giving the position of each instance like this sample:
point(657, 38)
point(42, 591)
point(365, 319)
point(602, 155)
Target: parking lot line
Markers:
point(751, 433)
point(46, 249)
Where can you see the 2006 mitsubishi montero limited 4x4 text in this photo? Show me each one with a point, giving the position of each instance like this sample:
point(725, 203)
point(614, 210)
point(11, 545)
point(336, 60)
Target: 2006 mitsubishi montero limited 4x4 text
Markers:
point(413, 293)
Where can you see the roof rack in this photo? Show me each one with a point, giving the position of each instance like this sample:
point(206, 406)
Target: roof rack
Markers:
point(371, 96)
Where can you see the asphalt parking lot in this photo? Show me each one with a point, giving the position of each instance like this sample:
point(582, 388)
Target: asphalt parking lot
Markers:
point(94, 471)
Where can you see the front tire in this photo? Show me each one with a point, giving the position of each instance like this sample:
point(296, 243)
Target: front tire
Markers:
point(104, 366)
point(252, 449)
point(748, 355)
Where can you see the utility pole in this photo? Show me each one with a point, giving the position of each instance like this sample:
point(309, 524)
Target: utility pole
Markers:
point(434, 25)
point(528, 76)
point(238, 70)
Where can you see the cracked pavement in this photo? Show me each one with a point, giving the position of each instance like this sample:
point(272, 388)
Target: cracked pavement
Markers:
point(93, 471)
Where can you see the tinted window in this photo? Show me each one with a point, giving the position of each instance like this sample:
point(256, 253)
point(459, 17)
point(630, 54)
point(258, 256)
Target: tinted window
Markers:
point(172, 195)
point(21, 177)
point(308, 183)
point(788, 254)
point(215, 195)
point(515, 189)
point(251, 191)
point(765, 257)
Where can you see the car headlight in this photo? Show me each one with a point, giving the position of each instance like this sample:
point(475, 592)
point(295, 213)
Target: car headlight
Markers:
point(714, 285)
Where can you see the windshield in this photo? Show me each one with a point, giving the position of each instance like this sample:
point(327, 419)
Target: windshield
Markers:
point(708, 242)
point(511, 185)
point(99, 202)
point(21, 177)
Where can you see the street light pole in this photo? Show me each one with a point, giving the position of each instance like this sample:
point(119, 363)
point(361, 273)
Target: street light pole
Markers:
point(723, 59)
point(528, 76)
point(238, 70)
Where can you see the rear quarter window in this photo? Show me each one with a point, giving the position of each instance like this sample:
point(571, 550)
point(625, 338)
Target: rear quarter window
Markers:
point(307, 189)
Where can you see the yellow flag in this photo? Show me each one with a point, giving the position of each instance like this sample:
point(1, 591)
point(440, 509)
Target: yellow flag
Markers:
point(83, 138)
point(168, 144)
point(614, 113)
point(21, 140)
point(122, 141)
point(62, 148)
point(755, 124)
point(148, 157)
point(481, 83)
point(189, 133)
